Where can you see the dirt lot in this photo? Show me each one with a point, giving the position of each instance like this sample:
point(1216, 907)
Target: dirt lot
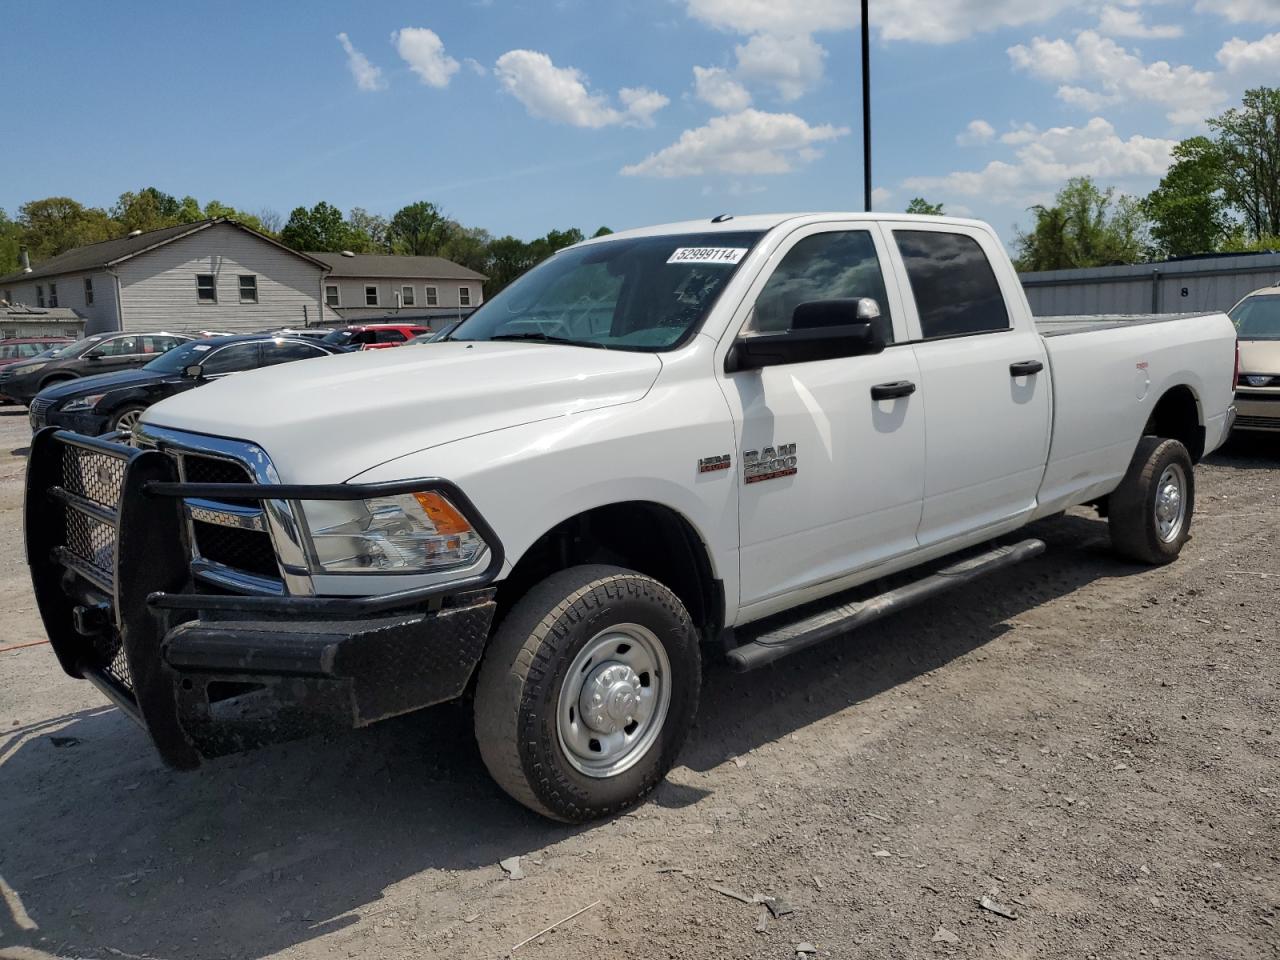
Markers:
point(1091, 744)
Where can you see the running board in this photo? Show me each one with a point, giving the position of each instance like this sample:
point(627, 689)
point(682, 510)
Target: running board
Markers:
point(825, 624)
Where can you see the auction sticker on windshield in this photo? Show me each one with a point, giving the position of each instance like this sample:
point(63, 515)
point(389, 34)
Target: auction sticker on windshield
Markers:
point(726, 255)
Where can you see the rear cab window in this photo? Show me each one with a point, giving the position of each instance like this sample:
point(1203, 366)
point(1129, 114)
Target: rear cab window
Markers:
point(955, 288)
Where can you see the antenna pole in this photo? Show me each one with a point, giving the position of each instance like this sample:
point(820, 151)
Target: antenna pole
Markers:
point(866, 105)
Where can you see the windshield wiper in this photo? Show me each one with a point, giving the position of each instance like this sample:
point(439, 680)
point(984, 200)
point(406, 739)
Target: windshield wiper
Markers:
point(548, 338)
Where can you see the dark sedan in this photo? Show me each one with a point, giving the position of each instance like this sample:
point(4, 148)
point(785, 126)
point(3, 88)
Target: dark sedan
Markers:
point(104, 353)
point(115, 401)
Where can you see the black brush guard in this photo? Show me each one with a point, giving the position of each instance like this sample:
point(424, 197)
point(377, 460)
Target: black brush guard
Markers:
point(212, 673)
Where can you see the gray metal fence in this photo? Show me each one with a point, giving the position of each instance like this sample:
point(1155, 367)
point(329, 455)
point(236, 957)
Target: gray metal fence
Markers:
point(1176, 286)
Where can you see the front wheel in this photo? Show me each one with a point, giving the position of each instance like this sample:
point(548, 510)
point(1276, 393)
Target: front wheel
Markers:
point(125, 420)
point(1150, 512)
point(587, 692)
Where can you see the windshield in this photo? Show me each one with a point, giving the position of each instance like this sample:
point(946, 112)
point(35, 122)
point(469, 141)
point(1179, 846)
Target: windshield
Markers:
point(179, 358)
point(1258, 318)
point(647, 294)
point(340, 338)
point(74, 349)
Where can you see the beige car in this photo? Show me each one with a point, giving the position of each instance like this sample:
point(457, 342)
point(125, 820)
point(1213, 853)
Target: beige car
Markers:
point(1257, 320)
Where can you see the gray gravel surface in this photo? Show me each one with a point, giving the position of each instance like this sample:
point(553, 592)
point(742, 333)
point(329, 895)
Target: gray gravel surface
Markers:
point(1090, 745)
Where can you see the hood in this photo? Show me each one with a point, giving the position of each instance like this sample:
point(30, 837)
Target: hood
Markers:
point(328, 419)
point(1260, 357)
point(103, 382)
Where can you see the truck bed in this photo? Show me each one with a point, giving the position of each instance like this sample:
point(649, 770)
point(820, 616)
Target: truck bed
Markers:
point(1064, 326)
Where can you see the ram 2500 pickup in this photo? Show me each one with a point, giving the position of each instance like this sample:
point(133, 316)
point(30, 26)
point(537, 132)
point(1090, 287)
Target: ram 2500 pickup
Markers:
point(740, 436)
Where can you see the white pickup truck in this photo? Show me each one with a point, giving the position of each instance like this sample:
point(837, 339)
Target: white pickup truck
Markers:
point(740, 436)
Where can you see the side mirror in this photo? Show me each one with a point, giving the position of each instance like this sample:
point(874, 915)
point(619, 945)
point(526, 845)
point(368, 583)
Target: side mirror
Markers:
point(820, 330)
point(93, 356)
point(834, 313)
point(193, 372)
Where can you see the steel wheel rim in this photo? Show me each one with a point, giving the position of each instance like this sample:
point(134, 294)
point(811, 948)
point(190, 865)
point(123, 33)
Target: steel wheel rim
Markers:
point(128, 424)
point(1171, 503)
point(613, 701)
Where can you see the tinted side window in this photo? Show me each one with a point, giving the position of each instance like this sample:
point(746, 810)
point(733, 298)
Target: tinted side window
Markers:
point(287, 352)
point(391, 336)
point(955, 288)
point(240, 356)
point(118, 347)
point(826, 266)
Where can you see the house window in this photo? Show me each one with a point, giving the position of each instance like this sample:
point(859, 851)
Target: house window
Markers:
point(464, 296)
point(8, 334)
point(433, 297)
point(331, 297)
point(88, 291)
point(53, 295)
point(39, 295)
point(206, 292)
point(248, 288)
point(8, 296)
point(371, 296)
point(72, 334)
point(406, 297)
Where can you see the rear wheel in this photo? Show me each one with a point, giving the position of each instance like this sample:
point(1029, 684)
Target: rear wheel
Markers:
point(1150, 512)
point(587, 692)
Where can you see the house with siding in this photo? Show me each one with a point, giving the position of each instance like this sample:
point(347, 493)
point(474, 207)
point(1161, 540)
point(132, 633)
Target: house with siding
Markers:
point(211, 275)
point(363, 286)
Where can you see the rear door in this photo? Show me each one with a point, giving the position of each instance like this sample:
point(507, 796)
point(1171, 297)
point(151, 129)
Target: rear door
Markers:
point(845, 481)
point(984, 384)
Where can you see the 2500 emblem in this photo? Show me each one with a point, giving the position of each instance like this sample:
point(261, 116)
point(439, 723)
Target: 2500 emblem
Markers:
point(770, 463)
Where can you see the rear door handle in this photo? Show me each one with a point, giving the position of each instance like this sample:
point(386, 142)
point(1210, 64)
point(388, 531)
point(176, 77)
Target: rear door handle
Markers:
point(1026, 368)
point(893, 391)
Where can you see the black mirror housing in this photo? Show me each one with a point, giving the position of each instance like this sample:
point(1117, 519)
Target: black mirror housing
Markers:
point(832, 342)
point(193, 372)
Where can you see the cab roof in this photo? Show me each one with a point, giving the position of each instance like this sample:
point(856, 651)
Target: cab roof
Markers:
point(763, 222)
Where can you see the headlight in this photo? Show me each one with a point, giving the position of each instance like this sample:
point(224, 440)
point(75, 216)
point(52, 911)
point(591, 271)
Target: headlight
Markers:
point(31, 369)
point(408, 533)
point(80, 404)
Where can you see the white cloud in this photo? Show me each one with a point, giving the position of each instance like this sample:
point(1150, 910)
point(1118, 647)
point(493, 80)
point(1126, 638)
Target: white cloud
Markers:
point(928, 21)
point(1242, 11)
point(1115, 74)
point(560, 93)
point(1239, 56)
point(716, 86)
point(1020, 133)
point(423, 51)
point(880, 196)
point(1117, 22)
point(367, 76)
point(1045, 162)
point(792, 65)
point(744, 144)
point(978, 131)
point(476, 67)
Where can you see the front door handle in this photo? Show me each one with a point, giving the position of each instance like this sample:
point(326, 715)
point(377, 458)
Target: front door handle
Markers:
point(893, 391)
point(1026, 368)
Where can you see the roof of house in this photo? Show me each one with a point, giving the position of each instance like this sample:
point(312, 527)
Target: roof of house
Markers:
point(107, 253)
point(390, 266)
point(18, 311)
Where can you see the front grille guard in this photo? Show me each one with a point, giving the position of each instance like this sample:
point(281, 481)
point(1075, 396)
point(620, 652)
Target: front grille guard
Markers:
point(112, 571)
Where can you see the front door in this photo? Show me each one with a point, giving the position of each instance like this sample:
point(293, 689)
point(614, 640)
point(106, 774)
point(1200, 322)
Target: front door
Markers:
point(831, 480)
point(984, 383)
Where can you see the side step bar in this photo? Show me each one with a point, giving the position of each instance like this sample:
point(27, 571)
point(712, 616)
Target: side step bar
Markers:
point(825, 624)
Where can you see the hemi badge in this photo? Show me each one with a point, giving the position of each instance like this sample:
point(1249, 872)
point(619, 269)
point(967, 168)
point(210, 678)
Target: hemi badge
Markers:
point(715, 464)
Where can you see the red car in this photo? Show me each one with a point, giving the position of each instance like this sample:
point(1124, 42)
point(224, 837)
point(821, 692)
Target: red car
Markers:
point(13, 349)
point(374, 336)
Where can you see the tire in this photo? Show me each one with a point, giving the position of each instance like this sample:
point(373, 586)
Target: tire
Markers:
point(1151, 510)
point(124, 415)
point(611, 629)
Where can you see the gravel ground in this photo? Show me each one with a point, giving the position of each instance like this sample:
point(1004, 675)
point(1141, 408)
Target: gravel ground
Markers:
point(1090, 744)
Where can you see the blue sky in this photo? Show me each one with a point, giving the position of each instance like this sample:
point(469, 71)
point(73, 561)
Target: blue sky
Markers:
point(523, 115)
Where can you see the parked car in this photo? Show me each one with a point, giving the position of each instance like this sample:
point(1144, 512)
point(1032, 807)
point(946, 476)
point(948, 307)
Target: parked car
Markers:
point(723, 430)
point(1257, 320)
point(306, 333)
point(112, 402)
point(374, 336)
point(104, 353)
point(17, 349)
point(436, 336)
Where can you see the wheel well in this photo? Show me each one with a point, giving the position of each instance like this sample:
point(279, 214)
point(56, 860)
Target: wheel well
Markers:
point(1177, 417)
point(646, 537)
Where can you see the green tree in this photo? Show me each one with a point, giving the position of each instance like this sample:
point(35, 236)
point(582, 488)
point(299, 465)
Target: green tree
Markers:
point(1188, 210)
point(468, 246)
point(1086, 227)
point(56, 224)
point(148, 209)
point(509, 257)
point(372, 225)
point(321, 229)
point(924, 208)
point(10, 244)
point(602, 232)
point(419, 229)
point(1248, 146)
